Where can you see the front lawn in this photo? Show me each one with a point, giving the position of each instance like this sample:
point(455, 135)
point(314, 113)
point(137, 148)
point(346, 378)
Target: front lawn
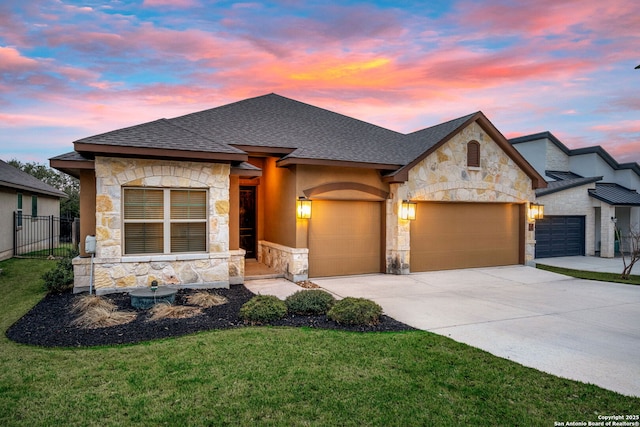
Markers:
point(276, 376)
point(591, 275)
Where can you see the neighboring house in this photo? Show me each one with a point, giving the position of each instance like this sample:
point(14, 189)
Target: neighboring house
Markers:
point(31, 199)
point(184, 201)
point(587, 193)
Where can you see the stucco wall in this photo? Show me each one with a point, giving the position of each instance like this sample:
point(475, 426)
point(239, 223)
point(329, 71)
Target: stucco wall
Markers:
point(114, 271)
point(444, 176)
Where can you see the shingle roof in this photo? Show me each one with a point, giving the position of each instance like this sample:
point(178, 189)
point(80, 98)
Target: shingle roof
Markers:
point(420, 141)
point(615, 194)
point(298, 132)
point(15, 178)
point(312, 132)
point(159, 134)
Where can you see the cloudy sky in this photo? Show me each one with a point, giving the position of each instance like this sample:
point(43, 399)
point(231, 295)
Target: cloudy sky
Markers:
point(74, 69)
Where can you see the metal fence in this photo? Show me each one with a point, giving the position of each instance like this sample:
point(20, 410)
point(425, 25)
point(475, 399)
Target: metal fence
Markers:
point(44, 236)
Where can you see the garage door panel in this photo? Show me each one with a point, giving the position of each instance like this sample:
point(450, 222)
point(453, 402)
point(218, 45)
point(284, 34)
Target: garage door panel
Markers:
point(345, 238)
point(464, 235)
point(560, 236)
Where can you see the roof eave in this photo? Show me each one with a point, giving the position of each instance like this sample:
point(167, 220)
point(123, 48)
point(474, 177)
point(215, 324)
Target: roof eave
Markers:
point(8, 184)
point(127, 151)
point(289, 161)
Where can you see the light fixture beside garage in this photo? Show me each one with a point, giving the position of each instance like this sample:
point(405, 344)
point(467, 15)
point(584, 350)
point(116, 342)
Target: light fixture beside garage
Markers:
point(303, 208)
point(536, 211)
point(408, 210)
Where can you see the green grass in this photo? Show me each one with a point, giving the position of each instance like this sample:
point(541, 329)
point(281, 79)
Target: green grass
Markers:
point(591, 275)
point(276, 376)
point(60, 251)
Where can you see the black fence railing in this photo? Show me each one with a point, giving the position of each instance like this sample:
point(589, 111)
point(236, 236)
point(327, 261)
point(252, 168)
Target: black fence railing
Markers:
point(44, 236)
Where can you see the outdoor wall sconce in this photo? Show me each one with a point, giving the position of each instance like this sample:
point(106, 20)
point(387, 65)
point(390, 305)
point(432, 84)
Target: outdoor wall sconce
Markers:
point(536, 211)
point(303, 208)
point(408, 210)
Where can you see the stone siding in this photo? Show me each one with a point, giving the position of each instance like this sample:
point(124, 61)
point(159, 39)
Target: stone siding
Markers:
point(292, 262)
point(114, 271)
point(557, 160)
point(444, 176)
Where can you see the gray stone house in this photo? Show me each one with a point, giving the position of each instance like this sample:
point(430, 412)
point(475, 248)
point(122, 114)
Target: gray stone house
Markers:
point(588, 193)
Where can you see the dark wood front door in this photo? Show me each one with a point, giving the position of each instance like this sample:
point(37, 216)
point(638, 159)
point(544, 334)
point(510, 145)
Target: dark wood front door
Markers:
point(248, 220)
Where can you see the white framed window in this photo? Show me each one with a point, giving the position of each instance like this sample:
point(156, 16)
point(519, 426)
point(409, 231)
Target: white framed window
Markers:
point(164, 220)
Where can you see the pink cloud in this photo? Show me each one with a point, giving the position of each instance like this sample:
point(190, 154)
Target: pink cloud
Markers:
point(12, 61)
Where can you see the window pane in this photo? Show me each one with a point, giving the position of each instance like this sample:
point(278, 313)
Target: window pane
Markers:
point(19, 200)
point(143, 238)
point(143, 204)
point(188, 204)
point(34, 205)
point(188, 237)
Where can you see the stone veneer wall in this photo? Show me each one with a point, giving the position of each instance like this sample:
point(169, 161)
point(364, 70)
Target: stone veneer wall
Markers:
point(114, 271)
point(292, 262)
point(557, 160)
point(445, 177)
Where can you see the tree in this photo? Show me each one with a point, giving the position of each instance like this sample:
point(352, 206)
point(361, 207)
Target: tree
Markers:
point(633, 251)
point(70, 207)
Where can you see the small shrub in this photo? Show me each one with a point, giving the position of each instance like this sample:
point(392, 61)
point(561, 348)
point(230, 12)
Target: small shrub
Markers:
point(168, 311)
point(101, 317)
point(60, 279)
point(263, 309)
point(206, 299)
point(311, 302)
point(355, 311)
point(87, 302)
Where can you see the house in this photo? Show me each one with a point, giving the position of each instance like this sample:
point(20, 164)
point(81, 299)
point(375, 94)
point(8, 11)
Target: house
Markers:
point(185, 200)
point(588, 193)
point(25, 202)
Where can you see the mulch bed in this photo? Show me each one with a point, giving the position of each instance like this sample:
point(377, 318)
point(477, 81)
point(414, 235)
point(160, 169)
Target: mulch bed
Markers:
point(48, 324)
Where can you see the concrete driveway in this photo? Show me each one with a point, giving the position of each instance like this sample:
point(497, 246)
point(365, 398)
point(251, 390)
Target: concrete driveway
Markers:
point(578, 329)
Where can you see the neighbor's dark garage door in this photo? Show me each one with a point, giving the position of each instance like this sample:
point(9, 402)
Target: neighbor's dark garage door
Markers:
point(559, 236)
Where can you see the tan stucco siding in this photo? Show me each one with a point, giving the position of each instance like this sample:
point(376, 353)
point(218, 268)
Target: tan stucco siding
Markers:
point(312, 177)
point(278, 204)
point(87, 206)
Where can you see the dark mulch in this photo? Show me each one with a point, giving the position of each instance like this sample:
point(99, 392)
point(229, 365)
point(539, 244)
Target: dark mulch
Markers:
point(48, 324)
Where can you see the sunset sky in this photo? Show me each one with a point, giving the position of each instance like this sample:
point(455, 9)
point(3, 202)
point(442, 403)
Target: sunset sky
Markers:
point(74, 69)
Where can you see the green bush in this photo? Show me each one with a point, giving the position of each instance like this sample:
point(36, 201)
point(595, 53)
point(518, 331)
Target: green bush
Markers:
point(263, 309)
point(355, 311)
point(60, 279)
point(314, 301)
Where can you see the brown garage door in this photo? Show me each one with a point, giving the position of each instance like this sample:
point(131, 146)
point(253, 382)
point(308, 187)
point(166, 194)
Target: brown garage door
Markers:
point(345, 238)
point(464, 235)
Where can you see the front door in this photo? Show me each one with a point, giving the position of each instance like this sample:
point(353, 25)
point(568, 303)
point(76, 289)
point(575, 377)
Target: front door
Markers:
point(248, 220)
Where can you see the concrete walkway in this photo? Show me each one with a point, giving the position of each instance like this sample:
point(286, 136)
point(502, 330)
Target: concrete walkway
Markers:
point(578, 329)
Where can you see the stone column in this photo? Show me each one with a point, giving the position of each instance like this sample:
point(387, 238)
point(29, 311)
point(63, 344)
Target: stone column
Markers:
point(398, 234)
